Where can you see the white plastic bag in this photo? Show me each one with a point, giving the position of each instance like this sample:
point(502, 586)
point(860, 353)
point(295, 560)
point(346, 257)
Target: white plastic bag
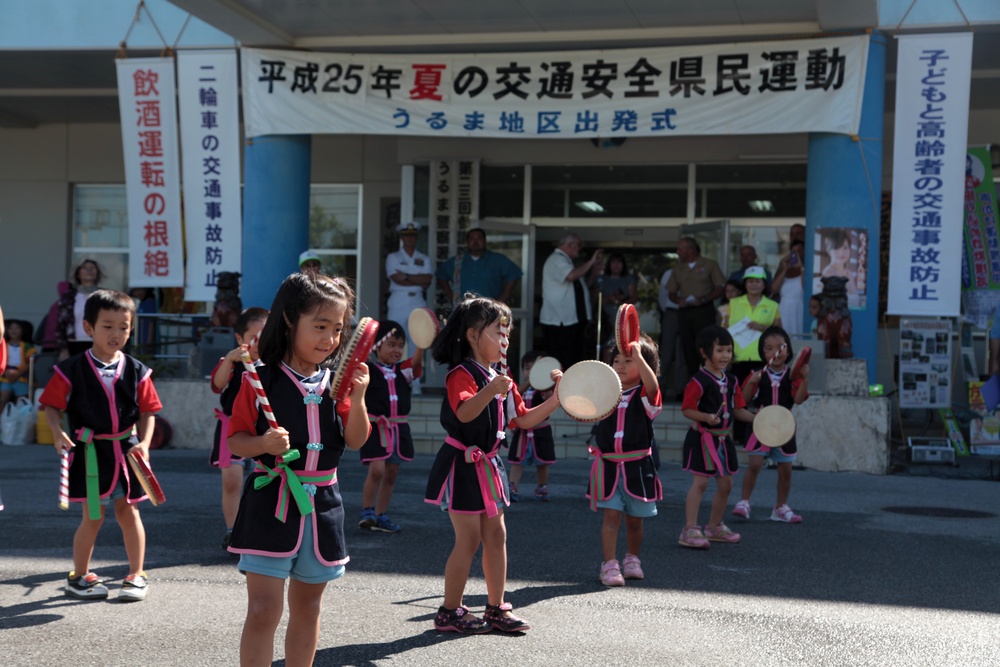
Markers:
point(17, 423)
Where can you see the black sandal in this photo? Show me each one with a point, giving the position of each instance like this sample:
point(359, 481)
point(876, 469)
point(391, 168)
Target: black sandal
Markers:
point(459, 620)
point(497, 616)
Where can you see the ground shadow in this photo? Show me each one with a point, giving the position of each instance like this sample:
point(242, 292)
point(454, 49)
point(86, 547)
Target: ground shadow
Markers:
point(368, 655)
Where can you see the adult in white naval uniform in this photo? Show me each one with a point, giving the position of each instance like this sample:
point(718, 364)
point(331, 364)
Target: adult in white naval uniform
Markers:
point(410, 273)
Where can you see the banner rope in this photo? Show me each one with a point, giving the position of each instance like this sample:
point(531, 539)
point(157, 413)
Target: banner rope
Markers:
point(958, 6)
point(123, 45)
point(181, 32)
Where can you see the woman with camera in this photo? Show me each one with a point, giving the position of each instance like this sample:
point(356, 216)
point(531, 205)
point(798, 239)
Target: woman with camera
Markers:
point(788, 285)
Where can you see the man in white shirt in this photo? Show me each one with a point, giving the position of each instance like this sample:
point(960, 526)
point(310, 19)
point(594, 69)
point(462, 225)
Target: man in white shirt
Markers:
point(409, 272)
point(566, 301)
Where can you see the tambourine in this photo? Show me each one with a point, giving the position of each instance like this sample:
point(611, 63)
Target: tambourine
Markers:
point(540, 375)
point(626, 328)
point(424, 327)
point(357, 350)
point(147, 480)
point(774, 426)
point(589, 391)
point(801, 359)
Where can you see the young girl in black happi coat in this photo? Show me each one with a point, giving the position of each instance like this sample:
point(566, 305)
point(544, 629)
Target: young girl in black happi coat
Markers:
point(290, 523)
point(390, 443)
point(468, 473)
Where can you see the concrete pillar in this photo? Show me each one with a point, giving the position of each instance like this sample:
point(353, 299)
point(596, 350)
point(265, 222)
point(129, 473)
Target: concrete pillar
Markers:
point(844, 189)
point(276, 177)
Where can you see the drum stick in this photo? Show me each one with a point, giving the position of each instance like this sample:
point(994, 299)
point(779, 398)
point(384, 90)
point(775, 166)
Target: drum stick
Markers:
point(600, 313)
point(258, 388)
point(64, 479)
point(770, 362)
point(504, 343)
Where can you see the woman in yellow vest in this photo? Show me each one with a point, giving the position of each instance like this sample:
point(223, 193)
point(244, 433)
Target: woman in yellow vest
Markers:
point(755, 312)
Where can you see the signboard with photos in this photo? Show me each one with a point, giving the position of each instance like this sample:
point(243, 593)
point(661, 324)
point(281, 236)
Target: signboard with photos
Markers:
point(924, 363)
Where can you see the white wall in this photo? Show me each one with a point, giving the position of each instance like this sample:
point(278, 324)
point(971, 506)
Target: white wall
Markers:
point(371, 161)
point(37, 168)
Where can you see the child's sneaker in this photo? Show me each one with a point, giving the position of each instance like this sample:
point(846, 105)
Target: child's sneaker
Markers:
point(742, 509)
point(721, 533)
point(542, 493)
point(502, 619)
point(693, 538)
point(460, 620)
point(384, 524)
point(134, 588)
point(631, 567)
point(87, 587)
point(367, 521)
point(611, 574)
point(514, 495)
point(785, 515)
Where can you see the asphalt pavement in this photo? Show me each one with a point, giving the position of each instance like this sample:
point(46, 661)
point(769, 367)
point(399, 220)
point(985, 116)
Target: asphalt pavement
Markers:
point(884, 570)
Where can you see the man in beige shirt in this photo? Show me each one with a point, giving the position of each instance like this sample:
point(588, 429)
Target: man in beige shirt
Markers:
point(694, 285)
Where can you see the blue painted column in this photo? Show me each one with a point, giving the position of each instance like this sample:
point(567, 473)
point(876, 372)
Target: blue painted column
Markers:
point(276, 174)
point(844, 189)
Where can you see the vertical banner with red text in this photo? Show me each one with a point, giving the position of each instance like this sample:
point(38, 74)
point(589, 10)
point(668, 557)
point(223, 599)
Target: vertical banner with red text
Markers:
point(208, 99)
point(152, 174)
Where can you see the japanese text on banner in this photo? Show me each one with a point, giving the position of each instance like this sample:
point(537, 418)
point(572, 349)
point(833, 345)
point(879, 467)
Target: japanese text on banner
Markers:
point(761, 88)
point(152, 178)
point(209, 112)
point(932, 114)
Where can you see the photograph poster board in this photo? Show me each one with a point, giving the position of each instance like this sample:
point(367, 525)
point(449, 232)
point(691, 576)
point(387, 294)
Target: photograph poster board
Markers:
point(924, 363)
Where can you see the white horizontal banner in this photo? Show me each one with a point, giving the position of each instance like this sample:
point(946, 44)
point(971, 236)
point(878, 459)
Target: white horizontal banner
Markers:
point(810, 85)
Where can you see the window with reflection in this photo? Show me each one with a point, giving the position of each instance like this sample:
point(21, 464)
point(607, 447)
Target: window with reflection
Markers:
point(100, 231)
point(501, 191)
point(334, 228)
point(612, 191)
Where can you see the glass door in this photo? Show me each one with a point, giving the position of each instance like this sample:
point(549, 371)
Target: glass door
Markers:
point(515, 240)
point(713, 237)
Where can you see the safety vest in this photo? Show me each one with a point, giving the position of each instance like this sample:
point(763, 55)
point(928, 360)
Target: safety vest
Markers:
point(766, 312)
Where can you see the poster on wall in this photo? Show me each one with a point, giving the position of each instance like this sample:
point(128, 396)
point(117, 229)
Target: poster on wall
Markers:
point(984, 427)
point(981, 248)
point(924, 363)
point(843, 252)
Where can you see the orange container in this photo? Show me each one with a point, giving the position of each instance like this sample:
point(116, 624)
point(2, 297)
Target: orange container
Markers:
point(43, 434)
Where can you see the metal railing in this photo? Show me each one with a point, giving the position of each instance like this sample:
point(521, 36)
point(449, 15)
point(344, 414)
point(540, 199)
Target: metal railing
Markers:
point(171, 343)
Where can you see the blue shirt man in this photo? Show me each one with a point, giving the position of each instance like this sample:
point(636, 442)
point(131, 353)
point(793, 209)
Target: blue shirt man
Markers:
point(481, 271)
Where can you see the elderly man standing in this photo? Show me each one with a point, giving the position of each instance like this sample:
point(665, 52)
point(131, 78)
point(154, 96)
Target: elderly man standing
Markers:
point(748, 258)
point(478, 270)
point(566, 301)
point(695, 283)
